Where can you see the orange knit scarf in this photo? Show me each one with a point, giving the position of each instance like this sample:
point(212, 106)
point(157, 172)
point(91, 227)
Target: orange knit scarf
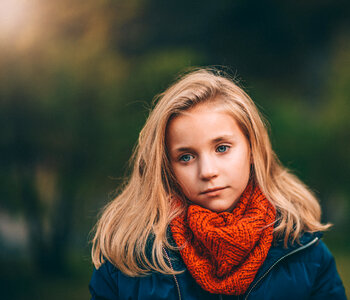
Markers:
point(223, 251)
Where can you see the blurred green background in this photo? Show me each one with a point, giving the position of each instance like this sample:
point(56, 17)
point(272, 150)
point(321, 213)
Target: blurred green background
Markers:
point(76, 82)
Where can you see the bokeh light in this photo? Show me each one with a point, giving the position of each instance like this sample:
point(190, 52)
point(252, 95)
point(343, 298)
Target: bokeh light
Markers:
point(13, 15)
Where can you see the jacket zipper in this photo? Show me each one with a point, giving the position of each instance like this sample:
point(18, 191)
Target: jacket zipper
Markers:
point(276, 262)
point(174, 276)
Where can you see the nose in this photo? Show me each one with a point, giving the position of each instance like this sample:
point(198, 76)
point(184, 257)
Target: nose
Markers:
point(207, 168)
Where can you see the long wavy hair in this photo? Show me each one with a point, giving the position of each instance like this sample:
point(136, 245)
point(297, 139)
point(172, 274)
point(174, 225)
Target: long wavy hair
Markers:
point(146, 205)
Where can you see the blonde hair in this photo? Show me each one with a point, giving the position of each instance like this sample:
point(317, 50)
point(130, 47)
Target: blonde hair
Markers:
point(145, 207)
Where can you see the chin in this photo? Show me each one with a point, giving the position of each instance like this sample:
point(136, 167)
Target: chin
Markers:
point(221, 209)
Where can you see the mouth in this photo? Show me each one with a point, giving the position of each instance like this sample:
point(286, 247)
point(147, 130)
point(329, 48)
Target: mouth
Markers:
point(213, 191)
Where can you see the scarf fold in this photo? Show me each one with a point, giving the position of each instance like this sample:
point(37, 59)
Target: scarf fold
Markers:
point(223, 251)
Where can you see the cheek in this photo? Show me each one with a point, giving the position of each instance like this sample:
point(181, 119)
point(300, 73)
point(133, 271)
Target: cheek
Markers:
point(239, 158)
point(181, 176)
point(185, 179)
point(238, 167)
point(245, 167)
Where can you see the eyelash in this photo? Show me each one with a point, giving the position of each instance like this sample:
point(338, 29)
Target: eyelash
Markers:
point(181, 158)
point(226, 148)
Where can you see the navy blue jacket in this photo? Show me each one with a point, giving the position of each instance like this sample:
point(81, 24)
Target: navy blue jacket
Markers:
point(305, 271)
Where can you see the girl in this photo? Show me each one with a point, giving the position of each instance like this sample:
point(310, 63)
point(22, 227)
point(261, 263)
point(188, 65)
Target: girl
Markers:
point(209, 212)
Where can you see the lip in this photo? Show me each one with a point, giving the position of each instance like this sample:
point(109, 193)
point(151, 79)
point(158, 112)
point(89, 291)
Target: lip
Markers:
point(213, 191)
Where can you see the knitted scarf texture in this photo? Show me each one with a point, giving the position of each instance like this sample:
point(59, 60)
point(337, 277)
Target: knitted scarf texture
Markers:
point(223, 251)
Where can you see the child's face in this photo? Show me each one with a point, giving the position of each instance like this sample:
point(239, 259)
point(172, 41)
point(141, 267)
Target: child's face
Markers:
point(210, 157)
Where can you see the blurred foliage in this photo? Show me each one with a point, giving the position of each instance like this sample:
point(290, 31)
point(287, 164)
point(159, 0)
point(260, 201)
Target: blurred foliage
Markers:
point(77, 80)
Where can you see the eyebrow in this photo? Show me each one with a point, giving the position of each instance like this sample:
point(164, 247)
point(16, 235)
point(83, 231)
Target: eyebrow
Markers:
point(183, 149)
point(214, 141)
point(223, 138)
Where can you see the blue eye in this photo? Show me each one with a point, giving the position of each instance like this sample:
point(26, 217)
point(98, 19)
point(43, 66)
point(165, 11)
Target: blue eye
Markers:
point(186, 157)
point(222, 148)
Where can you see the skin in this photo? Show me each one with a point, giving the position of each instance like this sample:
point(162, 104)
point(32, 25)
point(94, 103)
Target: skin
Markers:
point(210, 156)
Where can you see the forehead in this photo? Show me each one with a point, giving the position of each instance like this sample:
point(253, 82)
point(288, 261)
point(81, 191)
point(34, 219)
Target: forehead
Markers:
point(197, 114)
point(201, 124)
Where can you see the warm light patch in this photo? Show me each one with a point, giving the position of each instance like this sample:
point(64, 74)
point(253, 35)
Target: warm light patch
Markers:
point(13, 15)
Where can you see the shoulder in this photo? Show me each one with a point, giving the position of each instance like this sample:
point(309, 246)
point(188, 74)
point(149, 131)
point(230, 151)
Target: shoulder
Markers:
point(109, 283)
point(327, 283)
point(304, 270)
point(310, 249)
point(310, 253)
point(103, 282)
